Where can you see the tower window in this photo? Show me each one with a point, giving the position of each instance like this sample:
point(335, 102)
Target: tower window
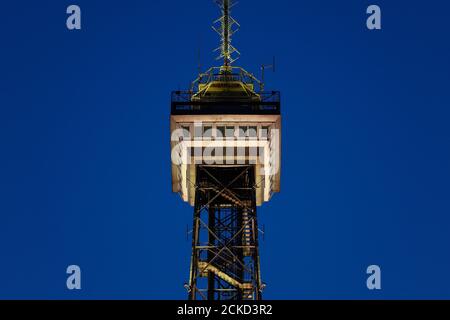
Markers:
point(207, 132)
point(229, 132)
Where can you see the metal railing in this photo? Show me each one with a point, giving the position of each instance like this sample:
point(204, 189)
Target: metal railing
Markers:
point(182, 104)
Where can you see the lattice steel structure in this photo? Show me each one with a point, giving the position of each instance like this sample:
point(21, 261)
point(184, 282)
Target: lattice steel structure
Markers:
point(225, 235)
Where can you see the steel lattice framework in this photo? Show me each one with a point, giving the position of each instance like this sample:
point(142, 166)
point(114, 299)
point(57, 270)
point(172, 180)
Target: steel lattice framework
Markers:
point(225, 259)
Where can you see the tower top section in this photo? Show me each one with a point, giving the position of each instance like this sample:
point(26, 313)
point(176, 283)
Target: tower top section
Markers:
point(222, 120)
point(226, 82)
point(226, 26)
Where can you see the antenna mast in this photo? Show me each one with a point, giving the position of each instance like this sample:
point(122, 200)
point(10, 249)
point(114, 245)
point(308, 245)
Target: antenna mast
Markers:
point(227, 26)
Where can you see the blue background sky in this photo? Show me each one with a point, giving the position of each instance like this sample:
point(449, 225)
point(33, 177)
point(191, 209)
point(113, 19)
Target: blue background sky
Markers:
point(85, 155)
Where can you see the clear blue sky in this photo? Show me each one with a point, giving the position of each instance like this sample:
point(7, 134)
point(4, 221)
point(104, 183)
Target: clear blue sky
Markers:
point(85, 155)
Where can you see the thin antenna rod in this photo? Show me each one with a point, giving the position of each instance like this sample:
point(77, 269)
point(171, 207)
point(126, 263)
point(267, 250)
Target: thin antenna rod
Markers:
point(226, 34)
point(199, 61)
point(263, 69)
point(226, 30)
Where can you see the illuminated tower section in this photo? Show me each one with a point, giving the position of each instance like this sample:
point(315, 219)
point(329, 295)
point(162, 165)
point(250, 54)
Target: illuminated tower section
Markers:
point(225, 139)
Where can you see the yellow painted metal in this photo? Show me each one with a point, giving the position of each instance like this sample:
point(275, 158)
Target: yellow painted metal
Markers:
point(205, 266)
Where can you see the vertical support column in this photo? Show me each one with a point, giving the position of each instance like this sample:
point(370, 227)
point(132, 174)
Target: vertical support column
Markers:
point(211, 242)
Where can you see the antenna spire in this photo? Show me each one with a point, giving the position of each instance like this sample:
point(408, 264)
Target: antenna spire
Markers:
point(226, 27)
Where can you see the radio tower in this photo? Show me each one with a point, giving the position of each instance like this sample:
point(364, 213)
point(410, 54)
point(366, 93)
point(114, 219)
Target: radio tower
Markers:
point(225, 162)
